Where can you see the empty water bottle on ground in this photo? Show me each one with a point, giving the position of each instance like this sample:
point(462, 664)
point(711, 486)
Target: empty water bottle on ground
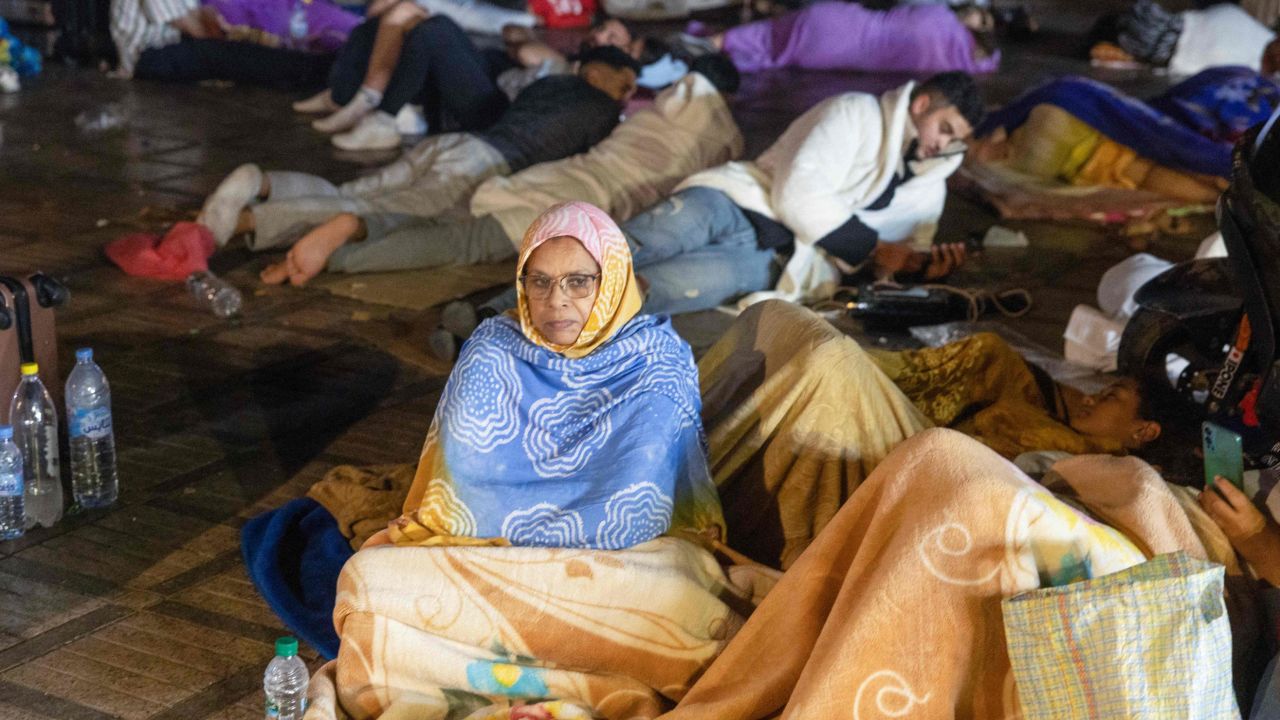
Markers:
point(213, 292)
point(93, 444)
point(285, 682)
point(35, 431)
point(12, 524)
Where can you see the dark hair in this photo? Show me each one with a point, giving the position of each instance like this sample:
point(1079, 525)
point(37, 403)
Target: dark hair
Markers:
point(601, 19)
point(986, 41)
point(609, 55)
point(719, 69)
point(652, 49)
point(958, 90)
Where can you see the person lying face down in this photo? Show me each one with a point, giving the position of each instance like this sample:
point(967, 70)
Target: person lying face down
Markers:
point(571, 422)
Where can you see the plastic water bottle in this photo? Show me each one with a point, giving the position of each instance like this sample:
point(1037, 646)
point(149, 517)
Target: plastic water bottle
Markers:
point(285, 682)
point(215, 293)
point(12, 524)
point(298, 25)
point(35, 430)
point(93, 444)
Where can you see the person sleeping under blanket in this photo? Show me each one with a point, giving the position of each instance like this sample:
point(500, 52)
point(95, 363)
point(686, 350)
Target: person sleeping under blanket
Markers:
point(1085, 133)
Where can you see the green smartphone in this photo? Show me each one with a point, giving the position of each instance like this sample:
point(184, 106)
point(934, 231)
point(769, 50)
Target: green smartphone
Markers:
point(1223, 454)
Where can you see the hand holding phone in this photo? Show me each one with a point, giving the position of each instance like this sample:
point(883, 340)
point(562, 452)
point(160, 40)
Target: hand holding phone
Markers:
point(1232, 511)
point(1223, 454)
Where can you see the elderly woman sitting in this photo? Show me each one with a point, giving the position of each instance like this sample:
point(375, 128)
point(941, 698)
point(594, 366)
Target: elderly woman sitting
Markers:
point(575, 423)
point(564, 471)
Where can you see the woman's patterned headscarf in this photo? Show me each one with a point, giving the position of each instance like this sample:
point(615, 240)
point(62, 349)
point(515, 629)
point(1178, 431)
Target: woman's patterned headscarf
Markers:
point(618, 298)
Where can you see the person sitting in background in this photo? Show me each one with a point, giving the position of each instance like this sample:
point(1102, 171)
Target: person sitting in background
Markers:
point(688, 128)
point(553, 118)
point(180, 41)
point(848, 36)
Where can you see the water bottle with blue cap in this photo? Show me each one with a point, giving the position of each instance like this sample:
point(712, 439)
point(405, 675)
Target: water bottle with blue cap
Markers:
point(93, 445)
point(11, 487)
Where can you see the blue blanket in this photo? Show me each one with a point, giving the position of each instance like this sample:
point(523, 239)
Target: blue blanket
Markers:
point(1191, 127)
point(603, 451)
point(294, 554)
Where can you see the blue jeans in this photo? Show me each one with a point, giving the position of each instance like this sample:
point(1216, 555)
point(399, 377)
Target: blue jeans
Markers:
point(696, 249)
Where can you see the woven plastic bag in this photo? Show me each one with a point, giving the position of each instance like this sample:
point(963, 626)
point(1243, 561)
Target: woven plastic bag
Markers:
point(1153, 641)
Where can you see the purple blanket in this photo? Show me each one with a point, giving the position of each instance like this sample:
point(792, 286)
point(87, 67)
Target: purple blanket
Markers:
point(847, 36)
point(327, 24)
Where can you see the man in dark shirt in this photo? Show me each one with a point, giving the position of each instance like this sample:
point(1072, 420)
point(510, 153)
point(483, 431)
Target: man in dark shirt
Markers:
point(553, 118)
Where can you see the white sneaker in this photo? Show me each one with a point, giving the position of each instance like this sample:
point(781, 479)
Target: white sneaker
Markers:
point(321, 102)
point(410, 120)
point(375, 132)
point(347, 117)
point(222, 209)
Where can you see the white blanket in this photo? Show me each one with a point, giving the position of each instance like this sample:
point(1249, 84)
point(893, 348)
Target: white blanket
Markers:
point(1220, 35)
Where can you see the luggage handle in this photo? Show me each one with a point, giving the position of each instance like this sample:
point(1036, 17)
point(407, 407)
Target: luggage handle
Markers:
point(22, 308)
point(49, 292)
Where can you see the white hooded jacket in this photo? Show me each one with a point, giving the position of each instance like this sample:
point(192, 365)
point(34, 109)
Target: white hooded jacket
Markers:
point(831, 163)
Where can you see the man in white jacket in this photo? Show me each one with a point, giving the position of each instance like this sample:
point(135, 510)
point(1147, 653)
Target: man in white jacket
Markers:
point(856, 179)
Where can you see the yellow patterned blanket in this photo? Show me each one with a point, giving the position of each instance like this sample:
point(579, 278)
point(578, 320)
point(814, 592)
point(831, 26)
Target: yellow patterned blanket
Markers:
point(440, 633)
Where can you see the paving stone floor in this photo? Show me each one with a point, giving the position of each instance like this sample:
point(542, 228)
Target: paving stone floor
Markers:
point(144, 610)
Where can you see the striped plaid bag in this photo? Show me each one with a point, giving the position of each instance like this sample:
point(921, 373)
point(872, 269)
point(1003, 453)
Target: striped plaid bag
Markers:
point(1153, 641)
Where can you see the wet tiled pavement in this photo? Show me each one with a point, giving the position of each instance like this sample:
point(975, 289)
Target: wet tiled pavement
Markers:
point(144, 610)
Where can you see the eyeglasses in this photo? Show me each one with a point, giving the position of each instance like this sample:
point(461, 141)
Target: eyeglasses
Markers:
point(575, 285)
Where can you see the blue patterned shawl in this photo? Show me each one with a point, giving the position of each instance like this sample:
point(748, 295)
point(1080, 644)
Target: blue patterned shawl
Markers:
point(532, 448)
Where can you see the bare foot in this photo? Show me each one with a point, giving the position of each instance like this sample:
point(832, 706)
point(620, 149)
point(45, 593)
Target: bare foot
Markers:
point(274, 274)
point(309, 255)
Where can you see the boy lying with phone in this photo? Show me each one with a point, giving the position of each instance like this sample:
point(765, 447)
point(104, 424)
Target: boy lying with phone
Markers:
point(1254, 535)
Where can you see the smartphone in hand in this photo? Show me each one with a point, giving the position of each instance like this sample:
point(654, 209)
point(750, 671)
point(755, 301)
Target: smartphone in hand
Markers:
point(1223, 454)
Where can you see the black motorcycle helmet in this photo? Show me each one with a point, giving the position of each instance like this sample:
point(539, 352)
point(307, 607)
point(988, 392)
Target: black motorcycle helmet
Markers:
point(1249, 216)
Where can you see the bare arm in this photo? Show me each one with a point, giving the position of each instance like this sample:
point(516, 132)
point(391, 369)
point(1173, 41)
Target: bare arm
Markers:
point(532, 54)
point(1255, 536)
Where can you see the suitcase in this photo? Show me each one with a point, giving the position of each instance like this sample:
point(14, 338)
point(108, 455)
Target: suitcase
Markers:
point(28, 334)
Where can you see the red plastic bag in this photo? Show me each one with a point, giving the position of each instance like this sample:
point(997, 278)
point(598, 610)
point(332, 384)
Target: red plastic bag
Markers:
point(185, 249)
